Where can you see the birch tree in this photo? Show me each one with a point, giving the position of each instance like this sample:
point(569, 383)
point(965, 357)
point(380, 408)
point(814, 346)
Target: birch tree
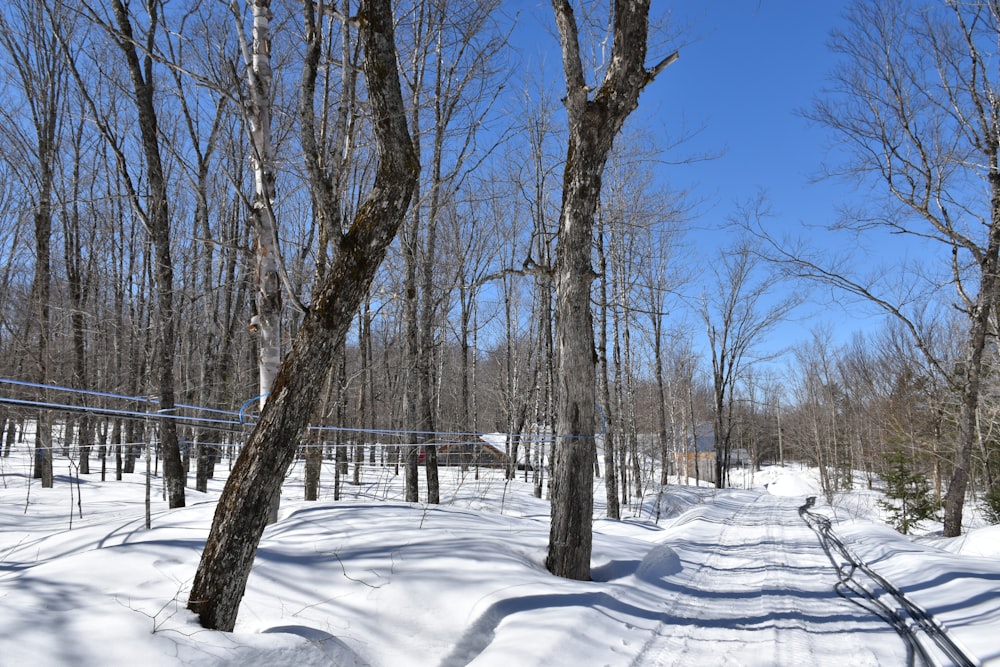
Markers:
point(596, 115)
point(267, 319)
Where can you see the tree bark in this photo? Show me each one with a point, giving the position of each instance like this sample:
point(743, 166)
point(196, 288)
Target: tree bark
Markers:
point(593, 125)
point(157, 218)
point(256, 478)
point(611, 428)
point(972, 367)
point(267, 322)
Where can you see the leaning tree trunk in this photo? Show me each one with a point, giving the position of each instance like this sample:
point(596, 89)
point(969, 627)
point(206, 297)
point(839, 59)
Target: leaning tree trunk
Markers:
point(593, 125)
point(256, 478)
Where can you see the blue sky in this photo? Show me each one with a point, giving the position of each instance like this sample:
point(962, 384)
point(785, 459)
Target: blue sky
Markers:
point(747, 68)
point(750, 69)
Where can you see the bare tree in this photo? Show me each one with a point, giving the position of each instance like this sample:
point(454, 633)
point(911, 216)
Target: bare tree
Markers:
point(78, 242)
point(209, 336)
point(267, 322)
point(31, 38)
point(156, 215)
point(594, 122)
point(150, 202)
point(451, 85)
point(641, 220)
point(737, 316)
point(820, 415)
point(256, 478)
point(916, 101)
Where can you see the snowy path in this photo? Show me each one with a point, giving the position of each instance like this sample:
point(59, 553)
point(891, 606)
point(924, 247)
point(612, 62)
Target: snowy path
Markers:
point(724, 578)
point(753, 558)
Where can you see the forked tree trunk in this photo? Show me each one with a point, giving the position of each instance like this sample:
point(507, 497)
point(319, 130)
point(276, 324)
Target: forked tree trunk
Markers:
point(593, 125)
point(257, 475)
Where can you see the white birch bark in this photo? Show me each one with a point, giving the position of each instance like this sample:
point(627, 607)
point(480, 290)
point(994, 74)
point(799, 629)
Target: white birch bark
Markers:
point(267, 321)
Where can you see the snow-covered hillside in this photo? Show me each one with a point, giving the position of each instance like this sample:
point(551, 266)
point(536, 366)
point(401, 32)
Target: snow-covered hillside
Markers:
point(731, 577)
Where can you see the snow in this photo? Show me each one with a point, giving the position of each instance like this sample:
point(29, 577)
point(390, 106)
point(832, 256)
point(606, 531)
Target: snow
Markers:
point(788, 482)
point(692, 576)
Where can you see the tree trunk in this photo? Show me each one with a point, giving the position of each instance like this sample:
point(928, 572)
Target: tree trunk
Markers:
point(77, 280)
point(610, 431)
point(593, 125)
point(262, 157)
point(366, 408)
point(973, 369)
point(266, 322)
point(313, 456)
point(411, 390)
point(11, 434)
point(618, 409)
point(661, 395)
point(157, 217)
point(256, 478)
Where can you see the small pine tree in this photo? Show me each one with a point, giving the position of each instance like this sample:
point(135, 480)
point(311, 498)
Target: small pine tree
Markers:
point(991, 505)
point(908, 495)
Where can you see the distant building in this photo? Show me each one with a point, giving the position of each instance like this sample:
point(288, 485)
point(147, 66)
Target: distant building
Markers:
point(475, 453)
point(739, 457)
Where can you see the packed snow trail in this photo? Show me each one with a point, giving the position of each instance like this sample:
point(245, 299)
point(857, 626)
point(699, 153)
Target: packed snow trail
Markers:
point(723, 578)
point(753, 586)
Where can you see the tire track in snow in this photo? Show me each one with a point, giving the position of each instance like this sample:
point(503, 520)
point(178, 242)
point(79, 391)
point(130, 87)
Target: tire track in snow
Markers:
point(668, 641)
point(860, 584)
point(750, 556)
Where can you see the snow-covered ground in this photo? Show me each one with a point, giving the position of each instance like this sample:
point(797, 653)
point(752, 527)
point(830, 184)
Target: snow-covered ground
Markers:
point(694, 576)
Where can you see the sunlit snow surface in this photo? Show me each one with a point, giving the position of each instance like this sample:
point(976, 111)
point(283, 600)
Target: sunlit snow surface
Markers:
point(692, 576)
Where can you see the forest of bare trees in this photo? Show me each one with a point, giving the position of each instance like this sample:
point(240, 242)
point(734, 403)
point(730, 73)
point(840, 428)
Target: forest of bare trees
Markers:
point(185, 190)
